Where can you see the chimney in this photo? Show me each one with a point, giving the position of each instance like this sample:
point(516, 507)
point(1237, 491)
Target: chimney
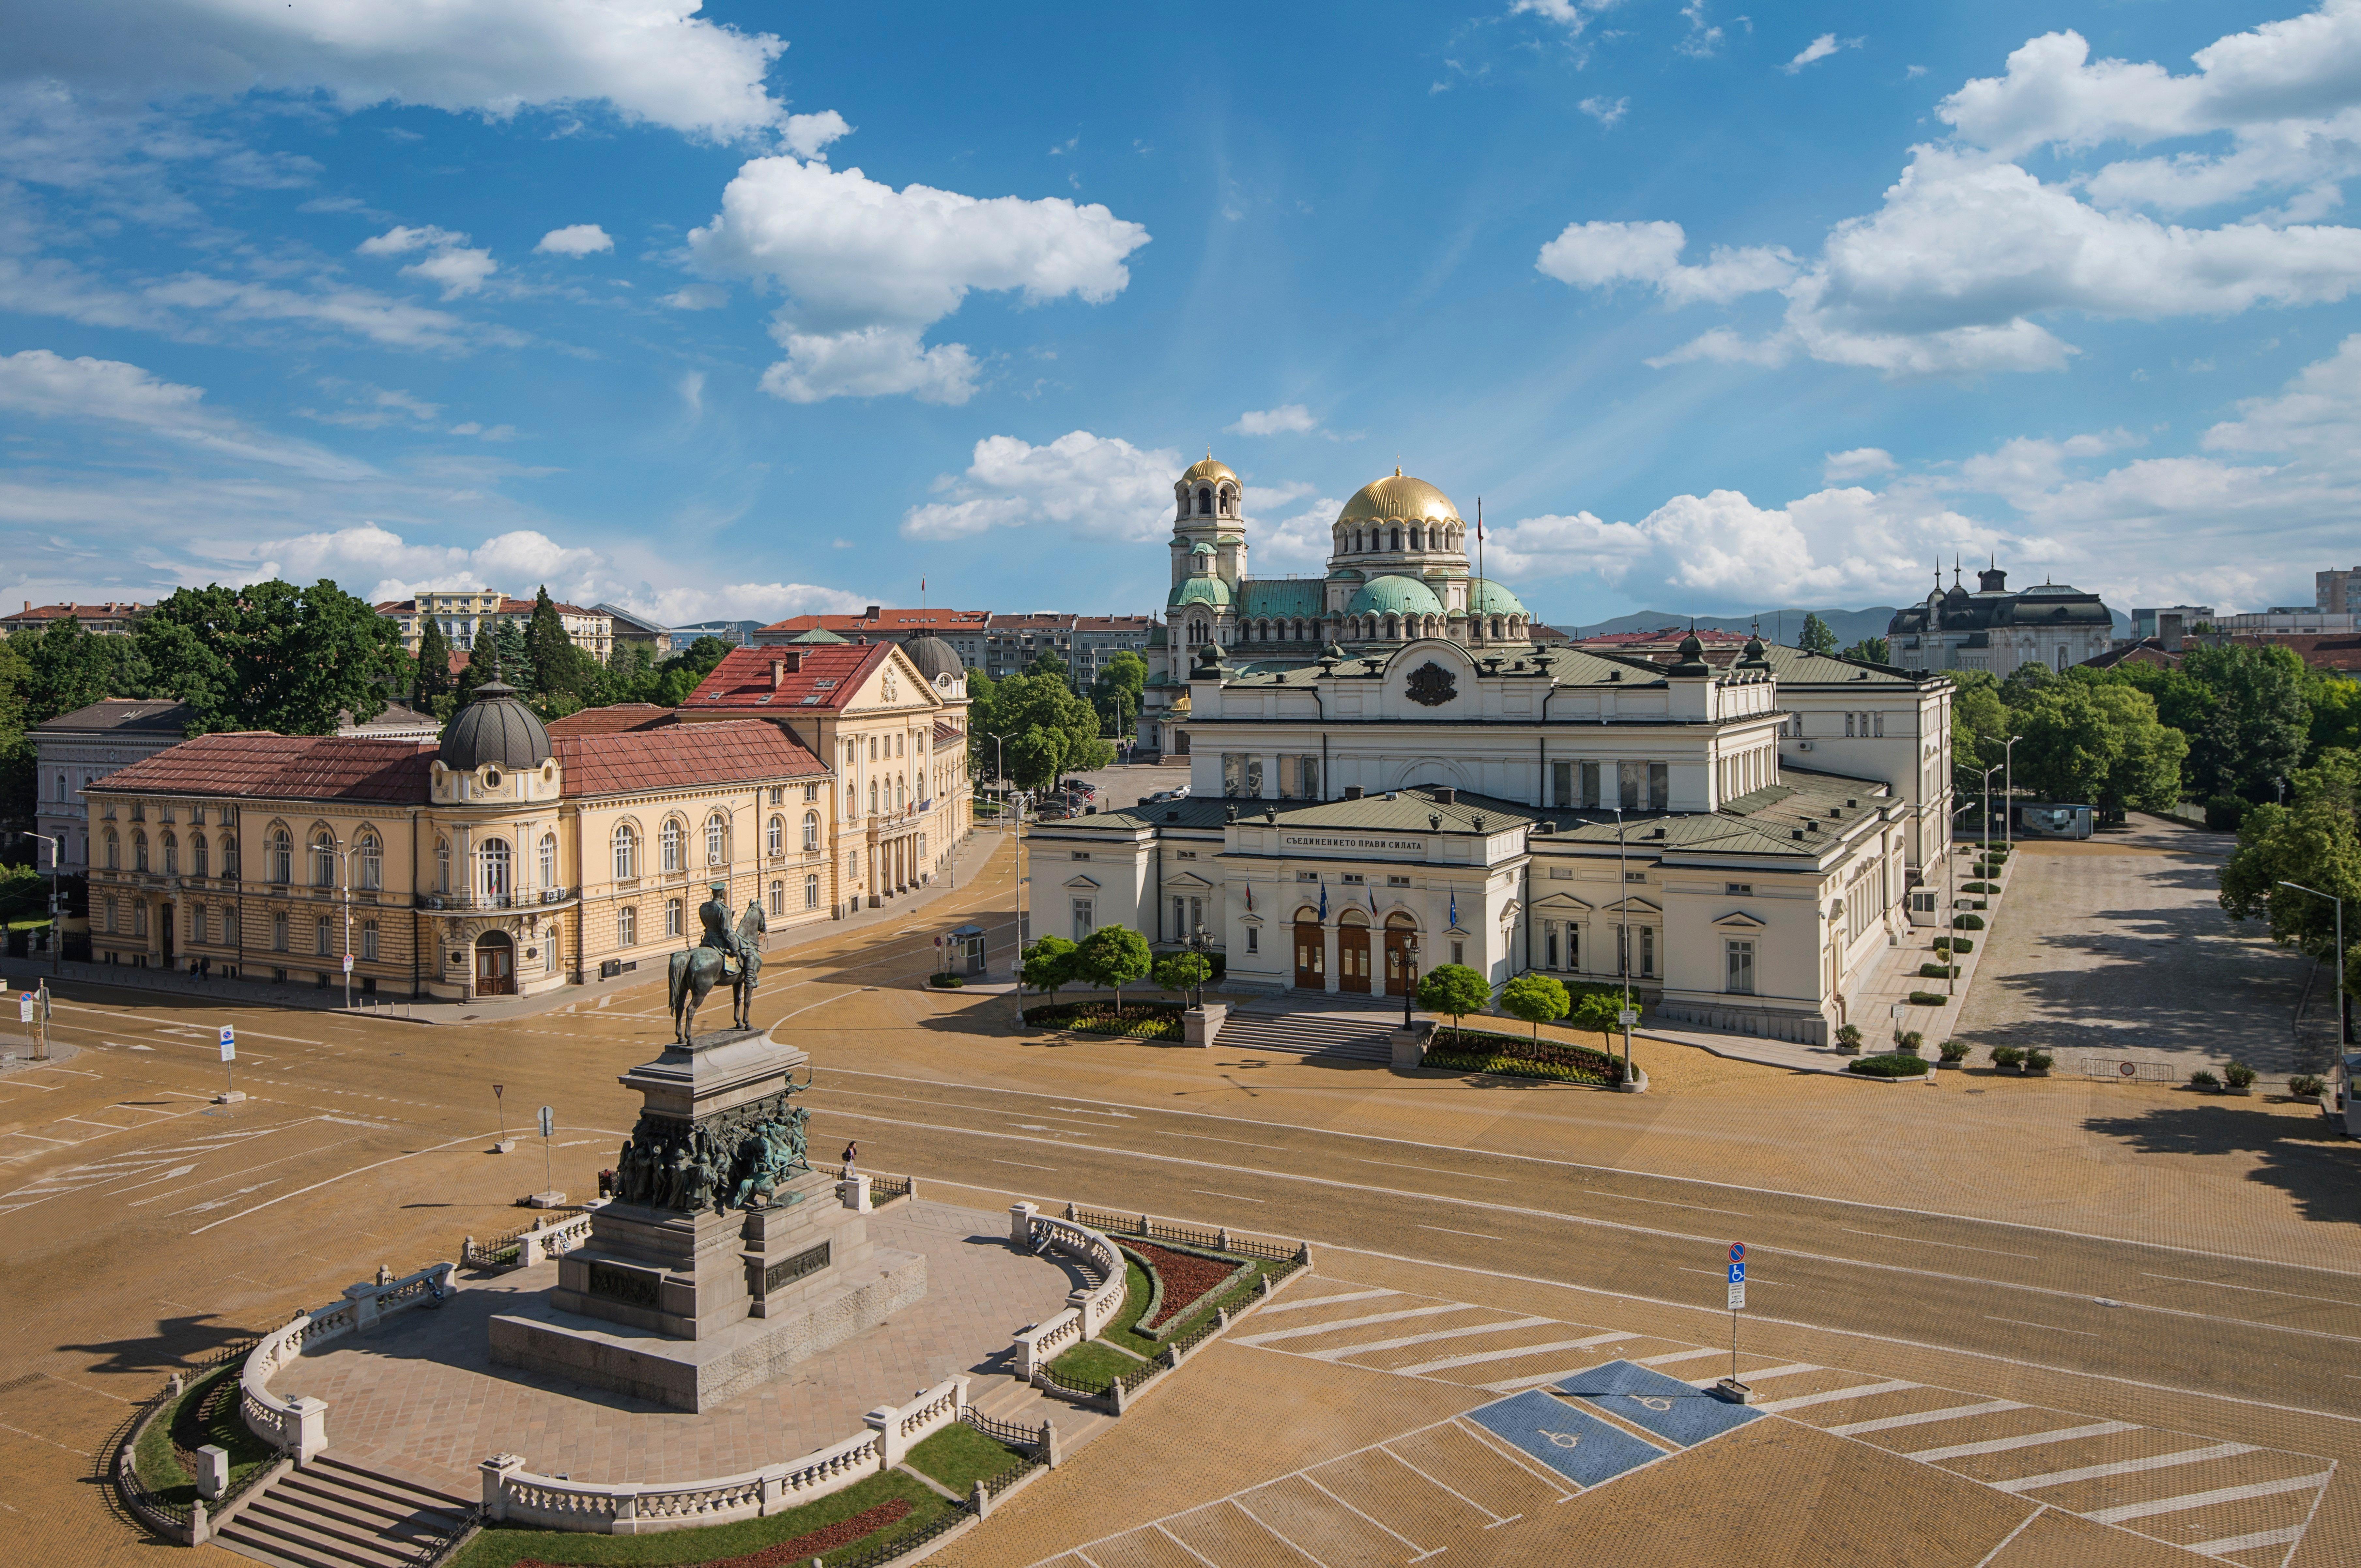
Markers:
point(1352, 792)
point(1445, 794)
point(778, 668)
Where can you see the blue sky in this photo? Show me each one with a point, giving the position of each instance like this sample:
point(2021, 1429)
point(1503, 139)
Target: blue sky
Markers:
point(750, 310)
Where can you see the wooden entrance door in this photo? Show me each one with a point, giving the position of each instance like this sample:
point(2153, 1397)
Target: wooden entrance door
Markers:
point(1310, 956)
point(1353, 958)
point(164, 913)
point(495, 965)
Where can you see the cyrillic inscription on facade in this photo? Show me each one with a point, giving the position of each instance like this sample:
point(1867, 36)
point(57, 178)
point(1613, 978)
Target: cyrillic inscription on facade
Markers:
point(632, 1287)
point(786, 1271)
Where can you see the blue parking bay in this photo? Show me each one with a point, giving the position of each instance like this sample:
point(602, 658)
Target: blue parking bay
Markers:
point(1648, 1399)
point(1577, 1445)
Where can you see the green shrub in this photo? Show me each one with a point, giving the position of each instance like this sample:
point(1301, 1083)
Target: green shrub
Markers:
point(2202, 1078)
point(1967, 922)
point(1897, 1065)
point(2304, 1086)
point(1953, 1050)
point(2238, 1075)
point(2008, 1056)
point(1978, 887)
point(1483, 1051)
point(1963, 944)
point(2039, 1061)
point(1939, 972)
point(2224, 813)
point(946, 980)
point(1943, 944)
point(1535, 998)
point(1928, 999)
point(1909, 1040)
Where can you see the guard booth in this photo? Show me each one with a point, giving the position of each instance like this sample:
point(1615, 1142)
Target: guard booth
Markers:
point(963, 950)
point(2053, 819)
point(1920, 902)
point(2339, 1102)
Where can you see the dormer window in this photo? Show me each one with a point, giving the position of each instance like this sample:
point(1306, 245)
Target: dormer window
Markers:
point(491, 778)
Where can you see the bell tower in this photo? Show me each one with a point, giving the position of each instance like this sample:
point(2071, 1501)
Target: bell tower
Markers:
point(1209, 510)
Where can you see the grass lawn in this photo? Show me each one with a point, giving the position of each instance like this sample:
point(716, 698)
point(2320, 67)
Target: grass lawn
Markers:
point(160, 1468)
point(1121, 1330)
point(1093, 1363)
point(959, 1456)
point(500, 1546)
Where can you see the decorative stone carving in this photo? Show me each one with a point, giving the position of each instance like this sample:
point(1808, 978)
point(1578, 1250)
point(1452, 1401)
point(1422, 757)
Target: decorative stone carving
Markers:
point(1431, 686)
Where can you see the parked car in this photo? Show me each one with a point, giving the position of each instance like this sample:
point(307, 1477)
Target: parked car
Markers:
point(1053, 811)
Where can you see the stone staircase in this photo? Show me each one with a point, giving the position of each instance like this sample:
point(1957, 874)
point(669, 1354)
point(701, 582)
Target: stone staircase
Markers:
point(1357, 1033)
point(329, 1514)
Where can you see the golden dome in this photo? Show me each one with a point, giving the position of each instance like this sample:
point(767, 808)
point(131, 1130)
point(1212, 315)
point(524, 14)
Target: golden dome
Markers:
point(1208, 470)
point(1396, 499)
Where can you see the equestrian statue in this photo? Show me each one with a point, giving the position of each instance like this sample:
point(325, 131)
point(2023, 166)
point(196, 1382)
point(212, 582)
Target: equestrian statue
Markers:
point(720, 957)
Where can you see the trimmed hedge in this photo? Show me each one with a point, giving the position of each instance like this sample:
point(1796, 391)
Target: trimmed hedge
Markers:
point(1895, 1064)
point(1963, 945)
point(1939, 972)
point(1978, 887)
point(1928, 999)
point(1967, 922)
point(1482, 1051)
point(1140, 1021)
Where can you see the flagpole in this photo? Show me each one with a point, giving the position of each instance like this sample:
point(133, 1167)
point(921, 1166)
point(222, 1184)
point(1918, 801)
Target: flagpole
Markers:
point(1479, 567)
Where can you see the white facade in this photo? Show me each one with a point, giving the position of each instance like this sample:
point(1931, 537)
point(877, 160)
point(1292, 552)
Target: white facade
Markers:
point(1993, 629)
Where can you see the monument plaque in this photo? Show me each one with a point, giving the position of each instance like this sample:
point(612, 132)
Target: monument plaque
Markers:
point(724, 1258)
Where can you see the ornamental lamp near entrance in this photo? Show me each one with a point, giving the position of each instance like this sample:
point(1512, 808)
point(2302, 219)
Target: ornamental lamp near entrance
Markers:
point(1409, 974)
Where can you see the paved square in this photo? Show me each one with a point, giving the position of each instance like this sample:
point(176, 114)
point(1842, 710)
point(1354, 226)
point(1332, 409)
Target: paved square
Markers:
point(1577, 1445)
point(1676, 1412)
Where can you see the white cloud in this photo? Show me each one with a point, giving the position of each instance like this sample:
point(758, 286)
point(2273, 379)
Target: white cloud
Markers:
point(452, 266)
point(1703, 39)
point(1722, 347)
point(576, 239)
point(1820, 49)
point(692, 393)
point(1861, 463)
point(1597, 255)
point(1605, 111)
point(654, 61)
point(807, 135)
point(697, 297)
point(47, 386)
point(1100, 486)
point(869, 268)
point(1287, 419)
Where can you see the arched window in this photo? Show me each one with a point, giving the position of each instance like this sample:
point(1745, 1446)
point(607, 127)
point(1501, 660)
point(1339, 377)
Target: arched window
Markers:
point(113, 851)
point(872, 797)
point(442, 865)
point(626, 853)
point(372, 860)
point(200, 860)
point(1204, 500)
point(852, 800)
point(324, 859)
point(173, 849)
point(811, 829)
point(1393, 628)
point(775, 840)
point(282, 856)
point(1393, 539)
point(671, 844)
point(138, 851)
point(901, 792)
point(492, 870)
point(549, 860)
point(229, 854)
point(717, 840)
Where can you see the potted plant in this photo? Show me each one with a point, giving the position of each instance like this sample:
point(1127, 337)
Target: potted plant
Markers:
point(1907, 1041)
point(2008, 1058)
point(1849, 1040)
point(2204, 1080)
point(2036, 1064)
point(2304, 1086)
point(2239, 1077)
point(1952, 1052)
point(947, 981)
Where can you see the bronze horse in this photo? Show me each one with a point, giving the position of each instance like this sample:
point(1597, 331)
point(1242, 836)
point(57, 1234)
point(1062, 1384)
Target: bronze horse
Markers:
point(696, 972)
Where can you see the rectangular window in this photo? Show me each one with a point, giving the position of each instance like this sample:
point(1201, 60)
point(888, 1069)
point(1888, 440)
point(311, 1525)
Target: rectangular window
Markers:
point(1180, 917)
point(1080, 854)
point(1290, 778)
point(1561, 874)
point(1590, 786)
point(1741, 967)
point(110, 914)
point(1629, 778)
point(1647, 953)
point(1253, 778)
point(279, 933)
point(1233, 774)
point(1083, 922)
point(1354, 879)
point(1880, 720)
point(229, 927)
point(1186, 855)
point(1549, 944)
point(811, 893)
point(1459, 952)
point(369, 940)
point(627, 926)
point(321, 941)
point(1738, 889)
point(1397, 881)
point(778, 898)
point(1307, 876)
point(1309, 768)
point(1561, 783)
point(1849, 717)
point(1660, 786)
point(1254, 939)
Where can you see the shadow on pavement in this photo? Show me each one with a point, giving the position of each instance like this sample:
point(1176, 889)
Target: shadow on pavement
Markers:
point(2311, 1164)
point(175, 1342)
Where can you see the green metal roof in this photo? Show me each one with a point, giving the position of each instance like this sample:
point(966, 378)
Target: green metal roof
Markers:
point(1200, 590)
point(1485, 596)
point(1395, 596)
point(1272, 598)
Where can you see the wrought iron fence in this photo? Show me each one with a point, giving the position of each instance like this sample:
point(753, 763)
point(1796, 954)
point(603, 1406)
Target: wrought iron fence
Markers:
point(1001, 1480)
point(434, 1549)
point(885, 1189)
point(901, 1545)
point(1010, 1432)
point(1060, 1380)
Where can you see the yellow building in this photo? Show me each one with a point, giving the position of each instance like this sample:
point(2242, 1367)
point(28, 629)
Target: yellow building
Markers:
point(467, 614)
point(496, 862)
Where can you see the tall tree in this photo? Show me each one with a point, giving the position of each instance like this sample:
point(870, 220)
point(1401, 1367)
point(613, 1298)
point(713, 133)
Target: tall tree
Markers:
point(558, 666)
point(2254, 734)
point(1870, 651)
point(434, 680)
point(1818, 637)
point(1116, 692)
point(18, 786)
point(272, 656)
point(71, 667)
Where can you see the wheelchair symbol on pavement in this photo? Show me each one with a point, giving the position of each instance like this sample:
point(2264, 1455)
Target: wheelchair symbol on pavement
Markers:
point(1562, 1438)
point(1652, 1402)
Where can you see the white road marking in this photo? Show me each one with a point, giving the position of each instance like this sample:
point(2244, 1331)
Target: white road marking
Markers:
point(1923, 1417)
point(1446, 1230)
point(1921, 1241)
point(2053, 1327)
point(1677, 1355)
point(378, 1165)
point(1341, 1351)
point(2206, 1499)
point(1397, 1165)
point(1667, 1203)
point(1208, 1193)
point(1448, 1361)
point(1431, 1481)
point(1353, 1322)
point(1789, 1370)
point(1862, 1392)
point(2029, 1439)
point(2123, 1467)
point(1321, 1300)
point(2255, 1290)
point(2228, 1544)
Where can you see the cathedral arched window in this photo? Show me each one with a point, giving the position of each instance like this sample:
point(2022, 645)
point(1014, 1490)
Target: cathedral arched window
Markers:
point(1393, 537)
point(1205, 500)
point(1393, 628)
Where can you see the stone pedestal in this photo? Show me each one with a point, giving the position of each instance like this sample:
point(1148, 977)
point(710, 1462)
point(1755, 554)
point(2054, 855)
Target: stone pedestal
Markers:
point(690, 1307)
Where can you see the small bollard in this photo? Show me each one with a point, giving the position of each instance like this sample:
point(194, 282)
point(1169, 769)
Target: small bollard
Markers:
point(213, 1471)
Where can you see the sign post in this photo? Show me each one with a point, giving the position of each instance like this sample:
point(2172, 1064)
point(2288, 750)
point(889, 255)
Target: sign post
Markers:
point(229, 1096)
point(549, 1197)
point(1730, 1388)
point(1627, 1016)
point(29, 1014)
point(507, 1144)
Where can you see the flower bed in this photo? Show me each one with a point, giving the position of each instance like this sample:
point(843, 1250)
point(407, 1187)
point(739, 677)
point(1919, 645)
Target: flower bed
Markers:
point(1140, 1021)
point(801, 1550)
point(1184, 1279)
point(1477, 1050)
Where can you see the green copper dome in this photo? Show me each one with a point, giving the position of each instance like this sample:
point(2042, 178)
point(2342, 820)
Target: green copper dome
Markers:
point(1395, 596)
point(1487, 597)
point(1201, 590)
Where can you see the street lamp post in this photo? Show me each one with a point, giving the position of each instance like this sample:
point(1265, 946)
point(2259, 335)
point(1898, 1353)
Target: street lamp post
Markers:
point(1624, 935)
point(2344, 1010)
point(56, 910)
point(1409, 974)
point(2008, 792)
point(1985, 836)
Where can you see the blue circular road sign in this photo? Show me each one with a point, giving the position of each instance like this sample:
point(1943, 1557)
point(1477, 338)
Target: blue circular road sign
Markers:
point(1738, 1252)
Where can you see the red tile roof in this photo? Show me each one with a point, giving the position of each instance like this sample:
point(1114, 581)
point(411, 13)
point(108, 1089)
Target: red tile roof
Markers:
point(616, 719)
point(883, 619)
point(110, 611)
point(815, 679)
point(284, 767)
point(2322, 651)
point(681, 756)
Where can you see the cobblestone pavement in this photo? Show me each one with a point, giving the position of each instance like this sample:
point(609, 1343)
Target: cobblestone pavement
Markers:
point(2178, 1262)
point(421, 1398)
point(2114, 948)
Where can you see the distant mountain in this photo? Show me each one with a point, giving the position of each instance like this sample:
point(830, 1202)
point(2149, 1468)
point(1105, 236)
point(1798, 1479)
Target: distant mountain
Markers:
point(1777, 625)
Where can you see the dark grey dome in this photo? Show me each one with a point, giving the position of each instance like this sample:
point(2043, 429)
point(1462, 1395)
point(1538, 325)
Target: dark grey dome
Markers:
point(934, 657)
point(494, 727)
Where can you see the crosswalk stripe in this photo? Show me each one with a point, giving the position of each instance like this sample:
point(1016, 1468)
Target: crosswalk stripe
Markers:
point(1921, 1418)
point(1529, 1380)
point(2228, 1544)
point(1320, 1301)
point(1861, 1391)
point(1753, 1377)
point(2123, 1467)
point(1339, 1352)
point(1355, 1322)
point(2030, 1440)
point(1448, 1361)
point(2204, 1499)
point(1677, 1355)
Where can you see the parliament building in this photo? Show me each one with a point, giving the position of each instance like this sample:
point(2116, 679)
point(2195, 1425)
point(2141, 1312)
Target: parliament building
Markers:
point(1386, 773)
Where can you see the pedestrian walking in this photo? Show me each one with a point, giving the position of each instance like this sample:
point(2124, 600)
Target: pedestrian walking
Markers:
point(852, 1158)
